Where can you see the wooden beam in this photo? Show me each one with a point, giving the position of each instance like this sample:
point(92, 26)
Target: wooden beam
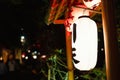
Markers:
point(60, 8)
point(112, 55)
point(91, 10)
point(59, 21)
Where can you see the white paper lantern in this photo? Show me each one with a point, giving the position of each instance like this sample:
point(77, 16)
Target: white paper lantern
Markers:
point(84, 43)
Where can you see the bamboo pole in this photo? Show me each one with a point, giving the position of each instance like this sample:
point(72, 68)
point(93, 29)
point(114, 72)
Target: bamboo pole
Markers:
point(69, 55)
point(49, 73)
point(112, 55)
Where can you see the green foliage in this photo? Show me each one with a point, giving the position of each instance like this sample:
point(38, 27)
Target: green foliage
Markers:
point(95, 74)
point(57, 69)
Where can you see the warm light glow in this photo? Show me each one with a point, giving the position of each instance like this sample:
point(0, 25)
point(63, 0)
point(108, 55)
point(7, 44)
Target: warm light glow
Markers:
point(91, 3)
point(34, 56)
point(29, 51)
point(43, 56)
point(23, 55)
point(1, 58)
point(26, 57)
point(22, 39)
point(84, 43)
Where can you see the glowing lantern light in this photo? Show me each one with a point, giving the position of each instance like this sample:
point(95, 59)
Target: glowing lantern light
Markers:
point(84, 42)
point(91, 3)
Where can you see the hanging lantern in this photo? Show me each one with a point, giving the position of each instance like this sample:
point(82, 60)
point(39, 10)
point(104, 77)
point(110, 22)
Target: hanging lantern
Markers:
point(84, 40)
point(84, 43)
point(91, 3)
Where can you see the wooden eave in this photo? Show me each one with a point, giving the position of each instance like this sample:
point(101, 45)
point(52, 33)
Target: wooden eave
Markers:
point(60, 8)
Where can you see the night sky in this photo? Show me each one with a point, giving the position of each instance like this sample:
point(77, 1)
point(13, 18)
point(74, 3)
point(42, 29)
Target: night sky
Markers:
point(28, 15)
point(21, 14)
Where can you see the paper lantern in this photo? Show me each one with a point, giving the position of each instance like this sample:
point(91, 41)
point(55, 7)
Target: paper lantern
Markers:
point(84, 43)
